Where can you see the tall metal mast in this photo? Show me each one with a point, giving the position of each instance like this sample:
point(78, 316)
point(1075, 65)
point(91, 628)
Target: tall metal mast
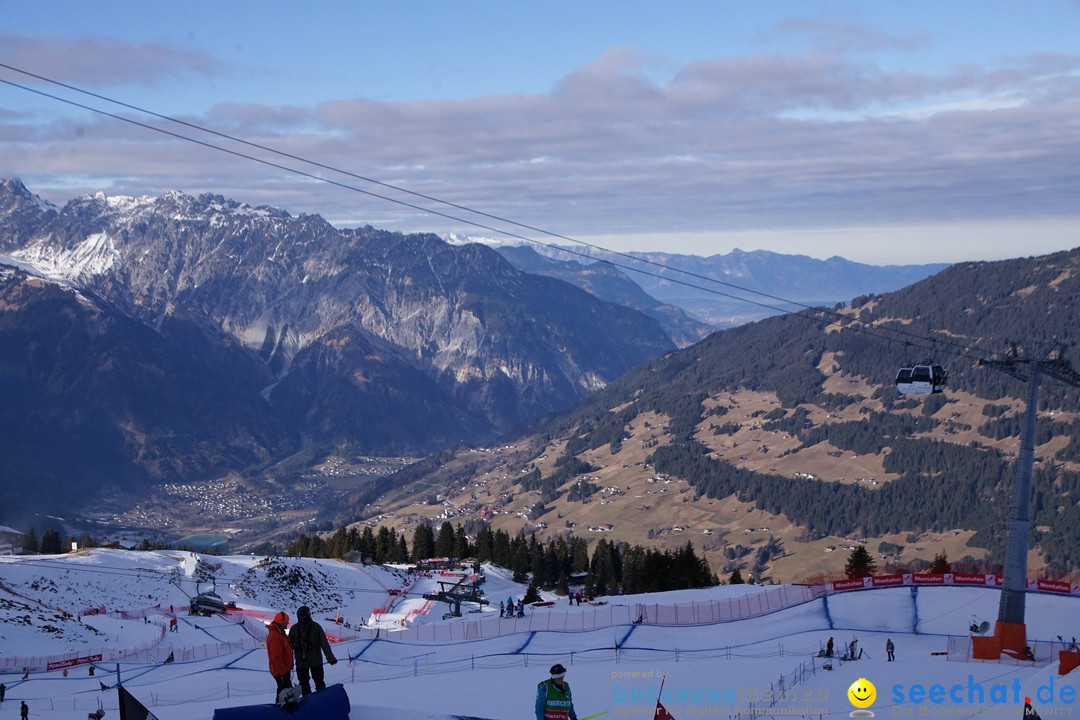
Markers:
point(1014, 581)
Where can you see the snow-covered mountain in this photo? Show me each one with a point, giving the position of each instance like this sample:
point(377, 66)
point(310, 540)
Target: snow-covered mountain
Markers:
point(292, 332)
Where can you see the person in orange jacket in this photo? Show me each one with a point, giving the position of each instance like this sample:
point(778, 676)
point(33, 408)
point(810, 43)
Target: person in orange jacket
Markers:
point(280, 651)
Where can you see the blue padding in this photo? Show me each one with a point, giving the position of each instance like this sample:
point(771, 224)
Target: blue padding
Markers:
point(329, 704)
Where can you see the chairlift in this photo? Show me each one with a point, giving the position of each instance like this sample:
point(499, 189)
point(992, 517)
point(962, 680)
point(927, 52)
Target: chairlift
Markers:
point(921, 379)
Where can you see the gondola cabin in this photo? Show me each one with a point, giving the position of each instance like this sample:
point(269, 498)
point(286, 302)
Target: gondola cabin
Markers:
point(920, 379)
point(206, 603)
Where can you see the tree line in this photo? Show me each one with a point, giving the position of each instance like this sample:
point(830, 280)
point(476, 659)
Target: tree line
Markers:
point(556, 564)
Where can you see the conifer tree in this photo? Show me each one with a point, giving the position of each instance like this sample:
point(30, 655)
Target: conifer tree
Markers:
point(444, 541)
point(485, 544)
point(51, 542)
point(30, 541)
point(860, 563)
point(941, 564)
point(423, 545)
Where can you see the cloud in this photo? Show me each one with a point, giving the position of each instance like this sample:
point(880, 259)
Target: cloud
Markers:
point(100, 61)
point(817, 139)
point(842, 38)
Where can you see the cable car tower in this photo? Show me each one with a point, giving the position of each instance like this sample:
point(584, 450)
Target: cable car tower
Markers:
point(1010, 632)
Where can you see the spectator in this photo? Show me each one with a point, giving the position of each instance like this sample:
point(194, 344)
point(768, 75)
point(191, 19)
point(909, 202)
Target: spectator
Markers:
point(279, 652)
point(553, 698)
point(309, 645)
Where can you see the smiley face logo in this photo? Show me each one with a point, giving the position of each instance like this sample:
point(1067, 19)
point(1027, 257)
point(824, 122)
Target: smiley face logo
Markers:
point(862, 693)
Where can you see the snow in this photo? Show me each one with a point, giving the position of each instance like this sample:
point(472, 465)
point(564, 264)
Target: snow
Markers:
point(726, 669)
point(127, 204)
point(459, 239)
point(95, 255)
point(20, 264)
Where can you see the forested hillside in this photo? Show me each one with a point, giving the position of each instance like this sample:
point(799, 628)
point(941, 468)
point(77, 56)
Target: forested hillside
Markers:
point(965, 313)
point(742, 415)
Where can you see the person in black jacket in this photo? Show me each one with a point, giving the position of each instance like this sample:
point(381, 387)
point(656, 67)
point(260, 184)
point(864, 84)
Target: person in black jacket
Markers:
point(309, 645)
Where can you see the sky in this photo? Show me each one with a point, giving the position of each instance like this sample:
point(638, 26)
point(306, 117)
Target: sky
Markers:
point(401, 677)
point(881, 132)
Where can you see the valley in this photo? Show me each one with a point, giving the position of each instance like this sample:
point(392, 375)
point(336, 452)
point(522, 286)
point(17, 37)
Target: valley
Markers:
point(621, 497)
point(363, 377)
point(633, 504)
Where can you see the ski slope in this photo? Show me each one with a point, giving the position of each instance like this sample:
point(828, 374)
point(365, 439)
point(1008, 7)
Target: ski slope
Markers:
point(764, 665)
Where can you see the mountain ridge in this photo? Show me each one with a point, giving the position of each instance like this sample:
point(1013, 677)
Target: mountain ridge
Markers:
point(721, 290)
point(307, 314)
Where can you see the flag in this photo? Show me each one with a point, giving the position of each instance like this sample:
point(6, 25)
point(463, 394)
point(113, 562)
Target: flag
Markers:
point(130, 708)
point(1029, 712)
point(661, 711)
point(168, 659)
point(104, 687)
point(26, 675)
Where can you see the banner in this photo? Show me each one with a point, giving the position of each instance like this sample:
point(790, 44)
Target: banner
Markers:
point(886, 580)
point(850, 584)
point(72, 662)
point(1058, 586)
point(928, 578)
point(968, 579)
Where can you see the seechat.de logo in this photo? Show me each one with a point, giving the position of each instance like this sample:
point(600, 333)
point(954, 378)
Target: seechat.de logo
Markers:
point(862, 694)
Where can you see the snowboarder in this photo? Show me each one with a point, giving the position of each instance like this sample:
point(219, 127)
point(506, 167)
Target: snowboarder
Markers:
point(553, 698)
point(3, 691)
point(279, 652)
point(829, 648)
point(309, 644)
point(889, 649)
point(24, 711)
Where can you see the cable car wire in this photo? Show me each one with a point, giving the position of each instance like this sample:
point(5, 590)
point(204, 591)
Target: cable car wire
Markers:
point(347, 173)
point(845, 321)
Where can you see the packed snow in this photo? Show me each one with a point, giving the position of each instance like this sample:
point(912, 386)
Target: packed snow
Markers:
point(400, 659)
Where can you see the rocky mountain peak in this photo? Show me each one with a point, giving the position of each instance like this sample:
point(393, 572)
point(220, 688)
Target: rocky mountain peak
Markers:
point(19, 208)
point(364, 339)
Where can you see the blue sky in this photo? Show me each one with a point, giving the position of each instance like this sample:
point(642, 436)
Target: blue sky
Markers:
point(882, 132)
